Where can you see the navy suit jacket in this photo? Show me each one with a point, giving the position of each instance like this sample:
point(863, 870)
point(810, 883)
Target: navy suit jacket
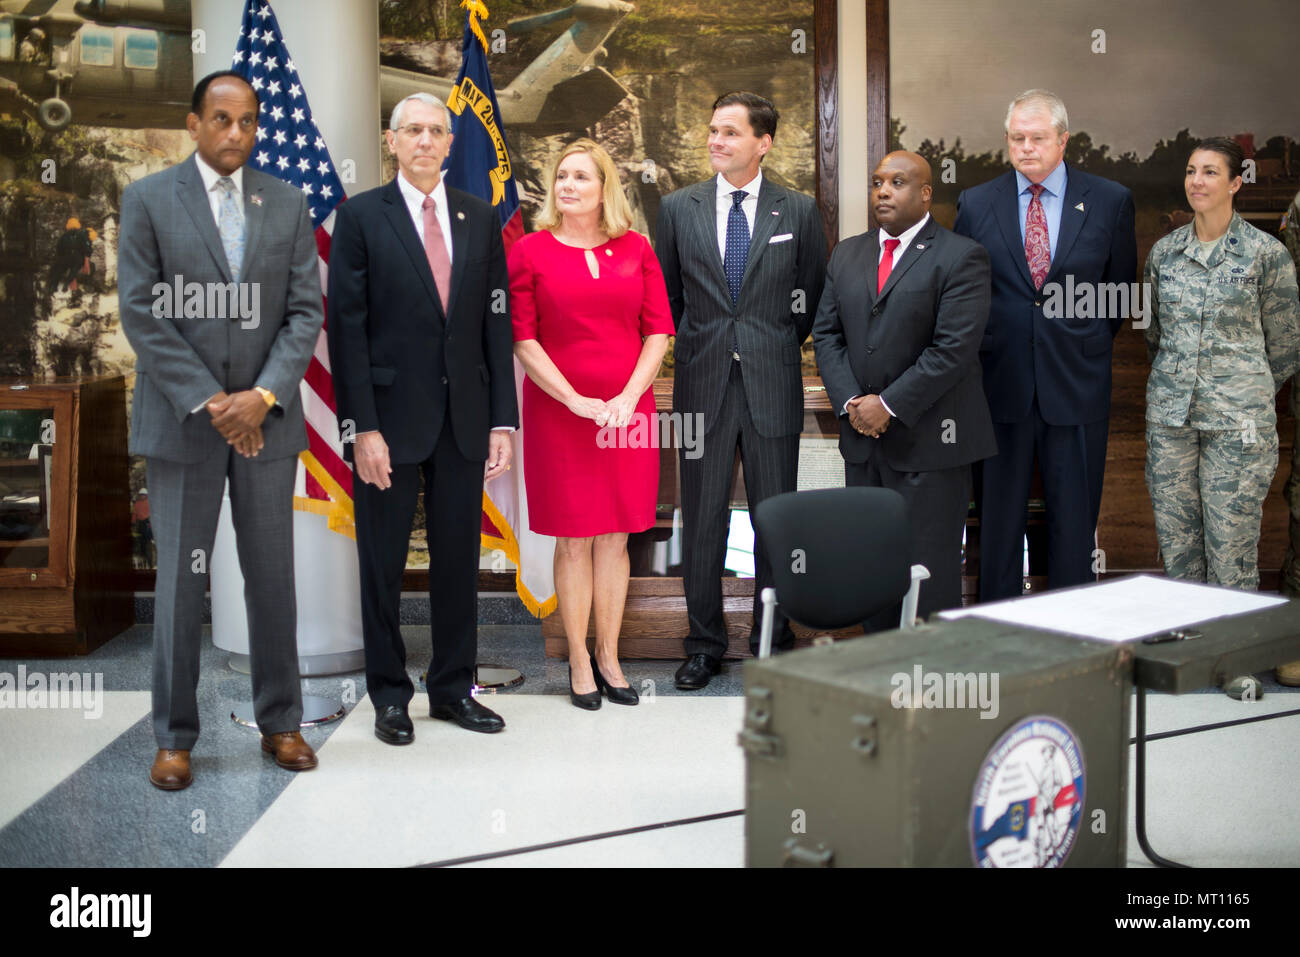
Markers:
point(1065, 359)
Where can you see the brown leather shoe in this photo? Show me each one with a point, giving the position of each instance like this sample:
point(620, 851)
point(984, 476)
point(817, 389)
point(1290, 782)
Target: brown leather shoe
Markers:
point(290, 750)
point(171, 770)
point(1289, 673)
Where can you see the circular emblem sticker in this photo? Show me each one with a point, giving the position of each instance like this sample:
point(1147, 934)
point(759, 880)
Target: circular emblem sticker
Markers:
point(1028, 798)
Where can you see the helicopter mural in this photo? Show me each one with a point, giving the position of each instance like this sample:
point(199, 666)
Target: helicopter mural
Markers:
point(128, 63)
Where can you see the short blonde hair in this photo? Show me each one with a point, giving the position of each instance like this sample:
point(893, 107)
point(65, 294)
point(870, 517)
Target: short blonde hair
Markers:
point(615, 213)
point(1044, 100)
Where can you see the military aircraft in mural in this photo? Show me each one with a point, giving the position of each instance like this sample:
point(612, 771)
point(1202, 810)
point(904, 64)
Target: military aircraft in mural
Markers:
point(120, 63)
point(128, 63)
point(562, 89)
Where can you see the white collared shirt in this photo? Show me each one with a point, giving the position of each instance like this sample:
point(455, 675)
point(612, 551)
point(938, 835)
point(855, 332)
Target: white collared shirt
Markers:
point(415, 206)
point(210, 177)
point(723, 204)
point(904, 241)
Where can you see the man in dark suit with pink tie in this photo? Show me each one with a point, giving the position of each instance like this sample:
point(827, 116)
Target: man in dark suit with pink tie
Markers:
point(422, 354)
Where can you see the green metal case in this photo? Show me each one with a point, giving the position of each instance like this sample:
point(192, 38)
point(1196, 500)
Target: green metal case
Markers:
point(846, 767)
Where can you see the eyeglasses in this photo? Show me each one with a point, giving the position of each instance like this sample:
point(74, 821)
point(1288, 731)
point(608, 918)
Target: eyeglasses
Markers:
point(416, 130)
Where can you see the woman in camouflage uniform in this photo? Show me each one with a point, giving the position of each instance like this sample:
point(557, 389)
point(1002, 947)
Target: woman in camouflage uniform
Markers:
point(1224, 336)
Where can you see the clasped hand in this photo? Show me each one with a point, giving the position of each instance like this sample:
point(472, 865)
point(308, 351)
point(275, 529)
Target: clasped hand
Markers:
point(867, 414)
point(238, 417)
point(614, 414)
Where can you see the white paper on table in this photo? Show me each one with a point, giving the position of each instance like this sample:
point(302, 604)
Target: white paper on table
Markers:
point(1122, 610)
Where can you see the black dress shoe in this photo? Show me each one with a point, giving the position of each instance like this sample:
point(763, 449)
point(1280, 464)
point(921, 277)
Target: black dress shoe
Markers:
point(615, 695)
point(589, 701)
point(696, 672)
point(393, 725)
point(469, 714)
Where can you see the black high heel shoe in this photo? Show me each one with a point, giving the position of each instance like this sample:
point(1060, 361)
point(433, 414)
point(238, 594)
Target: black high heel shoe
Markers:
point(589, 701)
point(626, 695)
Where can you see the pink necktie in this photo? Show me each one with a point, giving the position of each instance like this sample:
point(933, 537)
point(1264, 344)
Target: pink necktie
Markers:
point(886, 264)
point(1038, 249)
point(435, 248)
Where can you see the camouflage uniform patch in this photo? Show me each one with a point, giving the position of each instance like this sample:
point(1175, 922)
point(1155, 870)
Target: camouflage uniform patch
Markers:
point(1223, 338)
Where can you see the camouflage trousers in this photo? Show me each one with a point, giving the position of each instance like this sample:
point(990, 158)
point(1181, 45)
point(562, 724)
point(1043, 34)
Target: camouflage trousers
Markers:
point(1291, 564)
point(1207, 489)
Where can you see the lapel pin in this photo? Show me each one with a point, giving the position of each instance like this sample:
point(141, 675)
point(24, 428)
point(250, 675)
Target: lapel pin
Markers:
point(255, 200)
point(609, 252)
point(775, 213)
point(460, 215)
point(1079, 207)
point(920, 245)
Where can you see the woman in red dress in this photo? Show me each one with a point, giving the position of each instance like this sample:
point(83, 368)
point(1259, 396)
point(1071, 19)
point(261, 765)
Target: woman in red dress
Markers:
point(591, 324)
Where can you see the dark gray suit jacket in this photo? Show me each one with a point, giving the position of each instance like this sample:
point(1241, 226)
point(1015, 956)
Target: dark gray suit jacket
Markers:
point(916, 345)
point(778, 297)
point(168, 234)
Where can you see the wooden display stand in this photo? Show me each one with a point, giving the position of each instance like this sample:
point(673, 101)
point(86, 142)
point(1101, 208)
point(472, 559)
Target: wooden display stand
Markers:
point(65, 546)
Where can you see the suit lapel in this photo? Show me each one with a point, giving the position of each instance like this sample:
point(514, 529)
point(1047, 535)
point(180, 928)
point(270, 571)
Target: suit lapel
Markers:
point(705, 198)
point(1072, 219)
point(921, 244)
point(1006, 208)
point(254, 217)
point(871, 267)
point(189, 189)
point(399, 217)
point(771, 205)
point(459, 247)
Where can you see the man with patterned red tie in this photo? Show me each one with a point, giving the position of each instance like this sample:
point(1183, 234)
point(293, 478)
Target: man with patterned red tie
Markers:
point(1049, 229)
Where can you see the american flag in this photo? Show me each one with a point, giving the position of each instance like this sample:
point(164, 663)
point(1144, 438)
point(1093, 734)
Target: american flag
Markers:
point(290, 147)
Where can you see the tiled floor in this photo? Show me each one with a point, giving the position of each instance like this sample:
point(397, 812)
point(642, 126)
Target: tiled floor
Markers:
point(656, 785)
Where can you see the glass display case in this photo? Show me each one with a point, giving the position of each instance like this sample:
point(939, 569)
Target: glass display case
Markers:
point(25, 464)
point(65, 548)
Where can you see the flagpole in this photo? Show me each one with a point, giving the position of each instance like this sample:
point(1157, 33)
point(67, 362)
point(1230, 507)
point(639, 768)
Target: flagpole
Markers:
point(480, 164)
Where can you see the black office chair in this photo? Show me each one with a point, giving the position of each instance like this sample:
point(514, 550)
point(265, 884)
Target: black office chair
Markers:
point(838, 556)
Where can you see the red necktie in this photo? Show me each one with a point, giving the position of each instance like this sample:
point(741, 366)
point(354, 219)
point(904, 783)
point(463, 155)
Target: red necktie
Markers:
point(435, 248)
point(886, 264)
point(1038, 248)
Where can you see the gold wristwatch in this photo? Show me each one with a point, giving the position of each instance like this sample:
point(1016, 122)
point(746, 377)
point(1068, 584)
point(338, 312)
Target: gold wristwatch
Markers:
point(267, 396)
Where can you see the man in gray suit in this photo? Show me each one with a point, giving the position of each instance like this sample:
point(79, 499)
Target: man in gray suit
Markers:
point(744, 261)
point(220, 297)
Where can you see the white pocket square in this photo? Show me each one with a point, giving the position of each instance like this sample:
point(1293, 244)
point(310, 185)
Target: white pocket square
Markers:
point(780, 239)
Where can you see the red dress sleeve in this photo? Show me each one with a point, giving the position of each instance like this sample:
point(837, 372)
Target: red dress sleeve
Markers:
point(656, 317)
point(523, 295)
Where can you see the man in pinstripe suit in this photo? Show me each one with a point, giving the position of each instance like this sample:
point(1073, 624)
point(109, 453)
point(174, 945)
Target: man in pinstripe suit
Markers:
point(744, 261)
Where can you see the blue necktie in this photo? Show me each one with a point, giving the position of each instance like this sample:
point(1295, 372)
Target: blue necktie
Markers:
point(733, 262)
point(230, 223)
